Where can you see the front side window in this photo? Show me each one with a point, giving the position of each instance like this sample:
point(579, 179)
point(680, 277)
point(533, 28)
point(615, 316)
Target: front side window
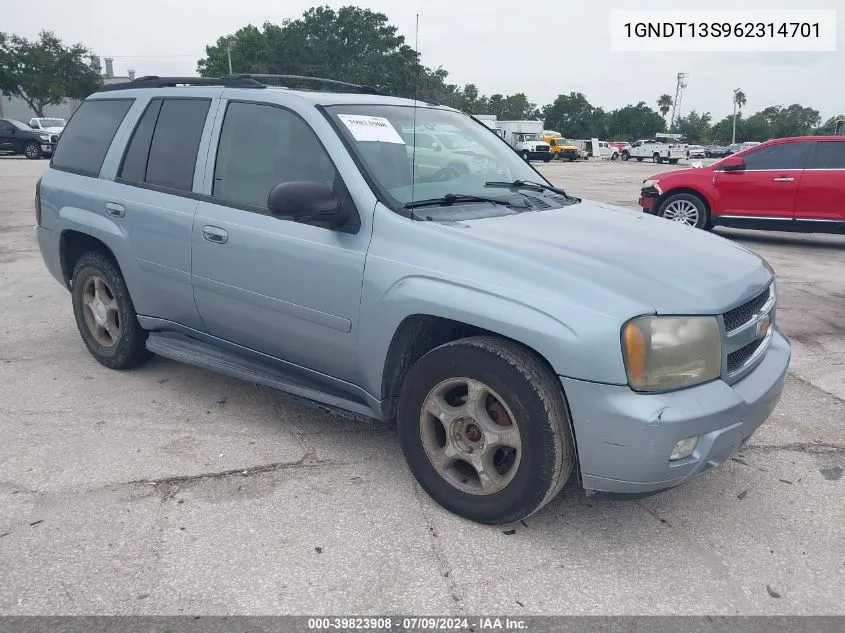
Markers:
point(262, 146)
point(780, 156)
point(88, 135)
point(470, 157)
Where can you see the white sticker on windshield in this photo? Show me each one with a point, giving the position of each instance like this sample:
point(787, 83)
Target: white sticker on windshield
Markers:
point(371, 128)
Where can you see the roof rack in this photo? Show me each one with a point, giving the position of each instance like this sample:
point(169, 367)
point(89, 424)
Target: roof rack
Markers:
point(154, 81)
point(370, 90)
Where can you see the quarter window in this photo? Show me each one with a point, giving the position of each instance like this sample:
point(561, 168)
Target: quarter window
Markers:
point(88, 135)
point(261, 146)
point(780, 156)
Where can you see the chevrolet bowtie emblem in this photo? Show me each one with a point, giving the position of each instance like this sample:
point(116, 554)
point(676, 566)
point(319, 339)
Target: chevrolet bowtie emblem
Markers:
point(763, 326)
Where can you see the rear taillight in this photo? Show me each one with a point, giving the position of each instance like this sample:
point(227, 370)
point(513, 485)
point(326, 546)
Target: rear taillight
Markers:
point(38, 202)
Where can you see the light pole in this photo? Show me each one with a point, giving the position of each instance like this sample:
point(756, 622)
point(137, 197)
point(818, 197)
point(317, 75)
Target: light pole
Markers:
point(229, 53)
point(733, 135)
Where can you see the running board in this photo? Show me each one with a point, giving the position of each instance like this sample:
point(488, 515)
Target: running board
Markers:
point(184, 349)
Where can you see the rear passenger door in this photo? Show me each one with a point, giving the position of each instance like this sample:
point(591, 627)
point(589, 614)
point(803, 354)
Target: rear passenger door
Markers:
point(153, 201)
point(7, 137)
point(283, 288)
point(821, 194)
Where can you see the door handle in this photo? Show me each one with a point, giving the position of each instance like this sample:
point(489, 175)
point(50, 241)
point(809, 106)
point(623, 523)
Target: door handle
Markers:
point(117, 210)
point(784, 179)
point(215, 234)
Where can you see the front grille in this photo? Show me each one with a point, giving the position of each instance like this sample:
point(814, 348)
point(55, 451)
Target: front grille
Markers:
point(739, 357)
point(743, 314)
point(542, 148)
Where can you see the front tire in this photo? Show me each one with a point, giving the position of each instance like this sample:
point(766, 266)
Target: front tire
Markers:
point(525, 157)
point(32, 150)
point(685, 208)
point(639, 159)
point(485, 429)
point(104, 313)
point(626, 156)
point(673, 161)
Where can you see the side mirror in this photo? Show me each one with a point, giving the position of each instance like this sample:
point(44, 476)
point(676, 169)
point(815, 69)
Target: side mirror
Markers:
point(732, 163)
point(306, 200)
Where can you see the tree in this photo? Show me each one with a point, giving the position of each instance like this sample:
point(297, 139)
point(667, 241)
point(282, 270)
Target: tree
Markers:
point(573, 116)
point(664, 104)
point(695, 127)
point(739, 101)
point(633, 122)
point(45, 72)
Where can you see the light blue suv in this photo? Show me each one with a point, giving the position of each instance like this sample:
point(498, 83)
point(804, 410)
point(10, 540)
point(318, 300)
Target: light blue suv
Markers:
point(287, 237)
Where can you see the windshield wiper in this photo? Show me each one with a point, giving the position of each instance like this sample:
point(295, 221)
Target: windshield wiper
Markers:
point(528, 184)
point(454, 198)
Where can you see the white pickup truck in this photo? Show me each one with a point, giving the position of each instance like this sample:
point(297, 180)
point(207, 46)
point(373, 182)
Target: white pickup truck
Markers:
point(659, 150)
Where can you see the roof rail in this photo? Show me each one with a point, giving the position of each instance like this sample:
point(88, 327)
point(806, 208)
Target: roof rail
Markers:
point(154, 81)
point(370, 90)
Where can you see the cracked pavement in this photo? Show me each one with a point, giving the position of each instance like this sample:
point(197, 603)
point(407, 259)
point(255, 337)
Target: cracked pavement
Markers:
point(169, 489)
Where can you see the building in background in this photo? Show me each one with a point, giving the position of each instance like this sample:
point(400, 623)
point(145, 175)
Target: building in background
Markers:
point(15, 108)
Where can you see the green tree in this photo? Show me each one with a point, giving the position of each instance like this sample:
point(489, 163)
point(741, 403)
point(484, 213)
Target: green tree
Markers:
point(45, 72)
point(633, 122)
point(572, 115)
point(695, 127)
point(349, 44)
point(739, 101)
point(664, 104)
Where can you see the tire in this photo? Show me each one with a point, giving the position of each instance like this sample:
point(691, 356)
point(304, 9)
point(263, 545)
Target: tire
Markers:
point(546, 160)
point(120, 343)
point(32, 150)
point(525, 156)
point(520, 388)
point(614, 156)
point(639, 159)
point(676, 208)
point(656, 158)
point(673, 161)
point(626, 156)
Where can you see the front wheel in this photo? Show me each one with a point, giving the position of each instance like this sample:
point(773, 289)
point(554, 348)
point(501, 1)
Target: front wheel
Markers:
point(525, 156)
point(546, 160)
point(625, 156)
point(614, 156)
point(485, 430)
point(32, 150)
point(673, 161)
point(686, 209)
point(639, 159)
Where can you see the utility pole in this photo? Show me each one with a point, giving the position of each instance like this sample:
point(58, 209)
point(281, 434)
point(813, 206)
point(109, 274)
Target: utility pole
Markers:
point(679, 91)
point(733, 135)
point(229, 54)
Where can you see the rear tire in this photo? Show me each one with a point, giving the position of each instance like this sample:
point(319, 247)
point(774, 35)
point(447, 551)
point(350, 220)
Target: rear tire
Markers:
point(104, 313)
point(673, 161)
point(440, 431)
point(656, 158)
point(626, 156)
point(639, 159)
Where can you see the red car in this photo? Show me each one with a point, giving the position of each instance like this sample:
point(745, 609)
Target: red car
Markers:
point(787, 184)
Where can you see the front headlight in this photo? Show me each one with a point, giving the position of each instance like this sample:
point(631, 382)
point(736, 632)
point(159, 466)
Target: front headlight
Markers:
point(652, 183)
point(670, 352)
point(44, 137)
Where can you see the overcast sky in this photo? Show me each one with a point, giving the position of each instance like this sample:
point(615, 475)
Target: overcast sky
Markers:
point(544, 48)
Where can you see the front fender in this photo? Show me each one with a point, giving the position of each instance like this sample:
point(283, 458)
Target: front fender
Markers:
point(577, 346)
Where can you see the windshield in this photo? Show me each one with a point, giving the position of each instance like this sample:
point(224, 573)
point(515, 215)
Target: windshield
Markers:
point(453, 155)
point(51, 122)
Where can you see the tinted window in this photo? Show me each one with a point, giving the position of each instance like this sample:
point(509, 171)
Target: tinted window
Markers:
point(262, 146)
point(134, 167)
point(829, 155)
point(780, 156)
point(88, 135)
point(173, 152)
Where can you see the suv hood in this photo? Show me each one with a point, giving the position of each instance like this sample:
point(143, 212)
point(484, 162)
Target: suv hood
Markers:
point(659, 265)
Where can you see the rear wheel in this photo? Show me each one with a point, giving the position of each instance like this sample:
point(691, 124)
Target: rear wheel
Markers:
point(673, 161)
point(655, 158)
point(626, 155)
point(105, 315)
point(485, 430)
point(32, 150)
point(639, 159)
point(686, 209)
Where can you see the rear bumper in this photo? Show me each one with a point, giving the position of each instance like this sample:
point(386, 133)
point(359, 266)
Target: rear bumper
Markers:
point(49, 245)
point(624, 439)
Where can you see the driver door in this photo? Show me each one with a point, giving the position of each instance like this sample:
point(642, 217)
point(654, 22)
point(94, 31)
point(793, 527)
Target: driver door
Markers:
point(283, 288)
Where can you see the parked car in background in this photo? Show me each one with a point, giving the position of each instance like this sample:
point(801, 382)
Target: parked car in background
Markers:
point(655, 150)
point(748, 144)
point(696, 151)
point(282, 237)
point(790, 184)
point(716, 151)
point(19, 138)
point(733, 148)
point(48, 124)
point(602, 149)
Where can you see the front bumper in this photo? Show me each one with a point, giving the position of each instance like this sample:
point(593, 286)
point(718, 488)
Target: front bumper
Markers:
point(648, 199)
point(540, 155)
point(624, 439)
point(47, 149)
point(568, 154)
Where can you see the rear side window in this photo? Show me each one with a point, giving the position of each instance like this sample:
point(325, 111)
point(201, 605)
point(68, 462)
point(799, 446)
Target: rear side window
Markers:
point(163, 147)
point(88, 135)
point(829, 155)
point(780, 156)
point(173, 152)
